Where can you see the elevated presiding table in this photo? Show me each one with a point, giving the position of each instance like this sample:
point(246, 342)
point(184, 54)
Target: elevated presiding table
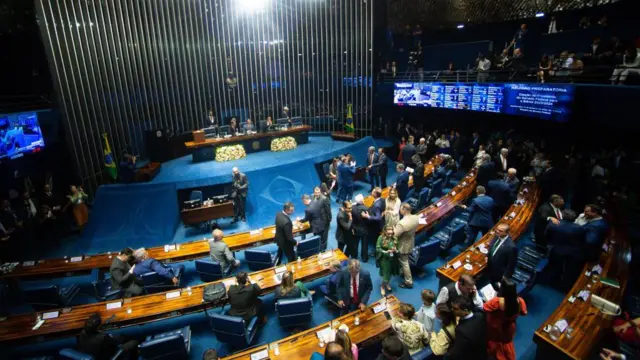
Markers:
point(148, 308)
point(206, 213)
point(205, 150)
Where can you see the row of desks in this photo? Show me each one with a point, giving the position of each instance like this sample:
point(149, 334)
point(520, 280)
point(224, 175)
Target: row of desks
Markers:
point(371, 327)
point(587, 322)
point(147, 308)
point(518, 217)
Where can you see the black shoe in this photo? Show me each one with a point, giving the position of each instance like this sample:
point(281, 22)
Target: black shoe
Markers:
point(406, 286)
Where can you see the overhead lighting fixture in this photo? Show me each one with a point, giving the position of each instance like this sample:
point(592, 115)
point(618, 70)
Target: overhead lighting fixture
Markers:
point(540, 14)
point(460, 26)
point(251, 6)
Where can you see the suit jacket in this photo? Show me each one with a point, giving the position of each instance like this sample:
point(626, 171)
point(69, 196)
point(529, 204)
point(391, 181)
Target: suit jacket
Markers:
point(364, 288)
point(120, 276)
point(402, 185)
point(551, 181)
point(486, 172)
point(359, 223)
point(376, 215)
point(374, 168)
point(498, 161)
point(315, 215)
point(240, 186)
point(345, 174)
point(383, 167)
point(471, 339)
point(567, 238)
point(51, 200)
point(418, 177)
point(514, 184)
point(503, 262)
point(344, 230)
point(326, 208)
point(284, 230)
point(243, 300)
point(501, 193)
point(407, 152)
point(248, 127)
point(405, 230)
point(544, 211)
point(99, 345)
point(481, 210)
point(596, 231)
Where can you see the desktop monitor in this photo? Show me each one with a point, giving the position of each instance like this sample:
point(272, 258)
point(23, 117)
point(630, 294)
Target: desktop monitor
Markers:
point(282, 122)
point(223, 130)
point(19, 134)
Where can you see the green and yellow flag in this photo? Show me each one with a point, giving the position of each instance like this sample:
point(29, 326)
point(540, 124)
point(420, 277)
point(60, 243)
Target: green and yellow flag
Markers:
point(348, 125)
point(109, 162)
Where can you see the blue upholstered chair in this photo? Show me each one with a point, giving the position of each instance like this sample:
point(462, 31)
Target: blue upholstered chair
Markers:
point(308, 247)
point(196, 195)
point(102, 287)
point(531, 262)
point(210, 270)
point(233, 331)
point(72, 354)
point(447, 178)
point(175, 344)
point(436, 190)
point(154, 283)
point(425, 253)
point(50, 296)
point(294, 312)
point(260, 259)
point(450, 236)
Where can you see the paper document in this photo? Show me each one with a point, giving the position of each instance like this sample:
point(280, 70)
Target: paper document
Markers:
point(488, 292)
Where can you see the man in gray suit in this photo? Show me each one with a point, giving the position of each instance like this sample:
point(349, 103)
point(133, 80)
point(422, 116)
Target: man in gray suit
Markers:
point(220, 251)
point(240, 187)
point(405, 231)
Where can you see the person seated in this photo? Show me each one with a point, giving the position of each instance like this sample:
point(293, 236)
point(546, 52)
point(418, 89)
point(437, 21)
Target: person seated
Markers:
point(291, 289)
point(427, 313)
point(244, 299)
point(333, 351)
point(101, 346)
point(267, 125)
point(331, 283)
point(145, 264)
point(210, 354)
point(411, 332)
point(122, 277)
point(219, 250)
point(544, 66)
point(393, 348)
point(233, 127)
point(249, 126)
point(441, 342)
point(630, 65)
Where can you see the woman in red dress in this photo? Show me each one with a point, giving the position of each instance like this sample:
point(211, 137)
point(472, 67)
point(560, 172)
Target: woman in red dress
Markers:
point(502, 312)
point(403, 142)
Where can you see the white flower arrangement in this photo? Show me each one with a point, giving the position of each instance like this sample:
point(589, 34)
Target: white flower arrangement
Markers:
point(230, 152)
point(283, 144)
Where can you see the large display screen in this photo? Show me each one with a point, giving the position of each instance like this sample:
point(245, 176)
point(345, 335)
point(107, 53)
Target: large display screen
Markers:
point(19, 134)
point(551, 102)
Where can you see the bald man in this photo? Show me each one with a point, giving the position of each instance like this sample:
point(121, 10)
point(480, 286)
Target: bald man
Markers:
point(220, 251)
point(240, 187)
point(502, 256)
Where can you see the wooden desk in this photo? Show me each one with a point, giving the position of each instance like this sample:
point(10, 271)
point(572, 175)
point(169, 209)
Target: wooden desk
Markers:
point(147, 172)
point(517, 226)
point(206, 213)
point(50, 268)
point(428, 171)
point(149, 308)
point(588, 323)
point(302, 345)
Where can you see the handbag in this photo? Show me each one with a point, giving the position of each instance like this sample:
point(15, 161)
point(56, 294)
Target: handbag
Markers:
point(214, 292)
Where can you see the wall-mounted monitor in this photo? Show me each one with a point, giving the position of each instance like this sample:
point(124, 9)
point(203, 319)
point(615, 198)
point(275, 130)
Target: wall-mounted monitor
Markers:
point(551, 102)
point(19, 134)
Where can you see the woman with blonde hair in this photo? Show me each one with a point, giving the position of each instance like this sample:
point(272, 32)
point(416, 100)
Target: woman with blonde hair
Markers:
point(392, 209)
point(290, 289)
point(386, 258)
point(350, 349)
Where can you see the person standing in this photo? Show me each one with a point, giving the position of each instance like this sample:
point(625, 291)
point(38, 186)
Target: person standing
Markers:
point(284, 232)
point(323, 195)
point(122, 276)
point(360, 228)
point(240, 187)
point(402, 182)
point(372, 159)
point(346, 169)
point(502, 257)
point(411, 332)
point(427, 313)
point(344, 230)
point(421, 149)
point(80, 210)
point(471, 332)
point(392, 208)
point(502, 312)
point(374, 216)
point(383, 167)
point(405, 230)
point(418, 175)
point(315, 215)
point(481, 215)
point(354, 287)
point(387, 258)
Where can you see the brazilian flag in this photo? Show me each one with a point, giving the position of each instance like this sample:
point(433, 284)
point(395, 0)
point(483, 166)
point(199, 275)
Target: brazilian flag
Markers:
point(109, 162)
point(348, 125)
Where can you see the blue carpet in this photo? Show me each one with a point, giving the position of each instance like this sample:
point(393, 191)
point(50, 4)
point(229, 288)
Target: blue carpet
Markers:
point(541, 301)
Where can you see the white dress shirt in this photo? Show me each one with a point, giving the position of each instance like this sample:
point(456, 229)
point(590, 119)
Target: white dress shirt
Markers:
point(443, 296)
point(351, 284)
point(552, 27)
point(503, 160)
point(484, 65)
point(557, 212)
point(497, 247)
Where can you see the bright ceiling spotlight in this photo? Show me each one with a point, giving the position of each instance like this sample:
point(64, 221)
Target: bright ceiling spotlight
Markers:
point(539, 14)
point(252, 6)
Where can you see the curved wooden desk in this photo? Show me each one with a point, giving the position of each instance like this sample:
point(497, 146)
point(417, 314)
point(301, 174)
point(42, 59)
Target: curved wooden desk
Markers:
point(50, 268)
point(518, 224)
point(588, 323)
point(148, 308)
point(300, 346)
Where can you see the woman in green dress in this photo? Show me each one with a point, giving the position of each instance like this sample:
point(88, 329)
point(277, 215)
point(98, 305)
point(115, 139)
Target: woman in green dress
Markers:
point(78, 199)
point(386, 258)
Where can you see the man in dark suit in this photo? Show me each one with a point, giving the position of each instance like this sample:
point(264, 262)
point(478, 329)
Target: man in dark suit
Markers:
point(503, 255)
point(421, 149)
point(502, 198)
point(314, 214)
point(475, 141)
point(101, 346)
point(402, 182)
point(502, 162)
point(354, 287)
point(375, 216)
point(595, 230)
point(471, 332)
point(383, 167)
point(567, 255)
point(486, 171)
point(481, 210)
point(244, 299)
point(407, 152)
point(418, 174)
point(344, 229)
point(321, 194)
point(550, 211)
point(360, 229)
point(551, 181)
point(284, 232)
point(346, 169)
point(512, 180)
point(122, 276)
point(240, 187)
point(372, 159)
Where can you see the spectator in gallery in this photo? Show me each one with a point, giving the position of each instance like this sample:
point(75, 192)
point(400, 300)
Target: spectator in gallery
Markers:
point(584, 22)
point(484, 65)
point(77, 199)
point(630, 65)
point(503, 59)
point(553, 25)
point(543, 68)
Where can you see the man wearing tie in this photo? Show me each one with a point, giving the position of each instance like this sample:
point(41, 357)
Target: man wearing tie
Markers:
point(360, 229)
point(481, 212)
point(502, 164)
point(512, 180)
point(503, 255)
point(372, 159)
point(354, 288)
point(502, 198)
point(548, 212)
point(249, 126)
point(402, 182)
point(284, 232)
point(315, 215)
point(346, 169)
point(567, 255)
point(239, 191)
point(595, 228)
point(383, 168)
point(375, 216)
